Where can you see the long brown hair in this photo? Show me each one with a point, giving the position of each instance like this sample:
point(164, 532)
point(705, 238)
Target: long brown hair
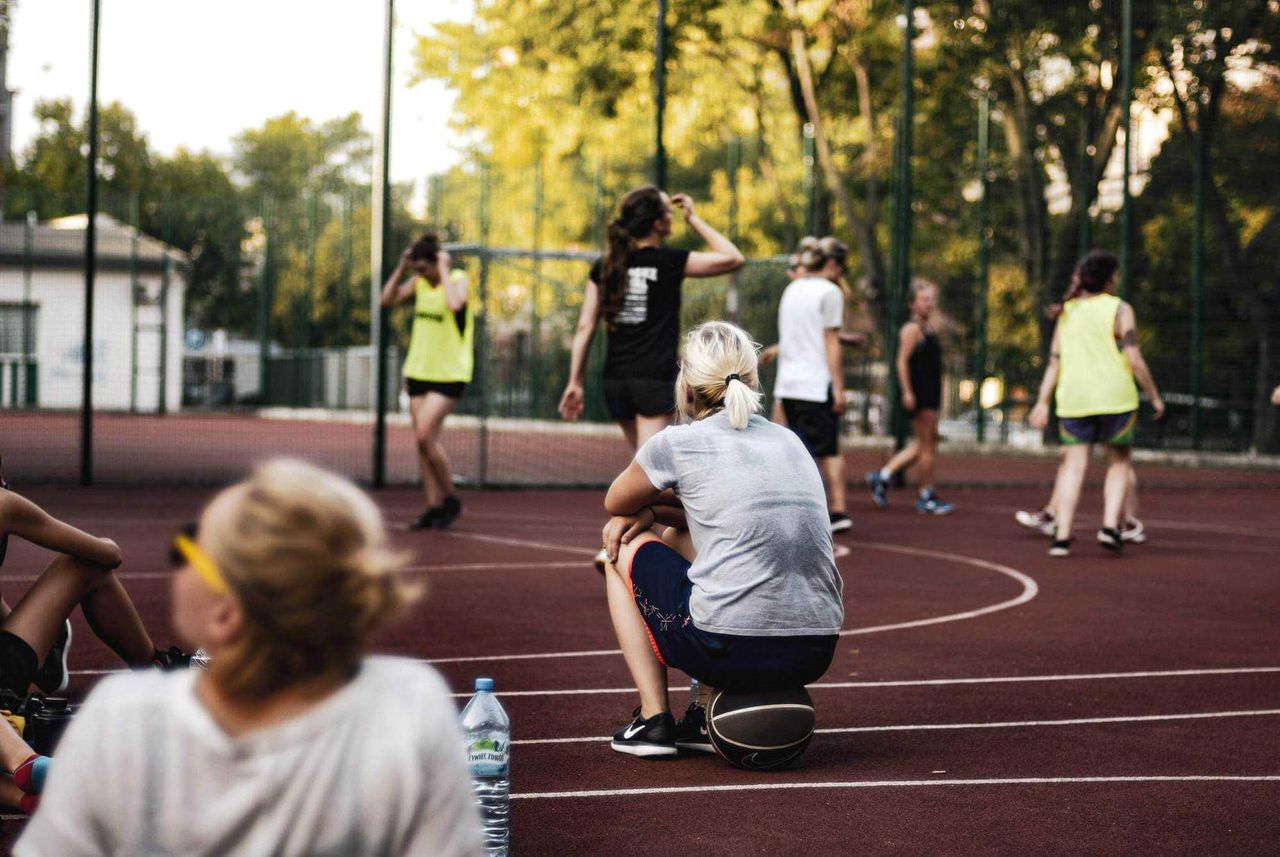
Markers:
point(640, 210)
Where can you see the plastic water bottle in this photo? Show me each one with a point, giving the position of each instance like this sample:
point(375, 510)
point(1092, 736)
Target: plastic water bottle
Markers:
point(488, 732)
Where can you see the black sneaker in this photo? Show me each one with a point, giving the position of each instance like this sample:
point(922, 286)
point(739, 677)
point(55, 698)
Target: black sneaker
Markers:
point(53, 677)
point(1109, 538)
point(650, 739)
point(173, 659)
point(1060, 547)
point(840, 522)
point(691, 731)
point(427, 519)
point(451, 509)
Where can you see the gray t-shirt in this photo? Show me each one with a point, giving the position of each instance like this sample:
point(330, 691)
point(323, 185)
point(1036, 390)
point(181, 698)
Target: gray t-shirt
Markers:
point(758, 517)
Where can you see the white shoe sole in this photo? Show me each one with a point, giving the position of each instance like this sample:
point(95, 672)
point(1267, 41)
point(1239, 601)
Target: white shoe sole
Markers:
point(66, 673)
point(601, 561)
point(646, 751)
point(706, 747)
point(841, 526)
point(1059, 552)
point(1029, 521)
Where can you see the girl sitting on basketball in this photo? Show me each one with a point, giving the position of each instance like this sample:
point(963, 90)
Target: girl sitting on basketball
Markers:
point(741, 592)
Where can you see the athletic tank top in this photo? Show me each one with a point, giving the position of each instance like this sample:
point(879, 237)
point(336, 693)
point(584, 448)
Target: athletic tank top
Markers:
point(440, 347)
point(1094, 376)
point(924, 367)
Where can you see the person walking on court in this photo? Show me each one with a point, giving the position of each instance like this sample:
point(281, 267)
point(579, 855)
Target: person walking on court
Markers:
point(295, 741)
point(919, 368)
point(1093, 361)
point(810, 380)
point(438, 366)
point(741, 590)
point(635, 290)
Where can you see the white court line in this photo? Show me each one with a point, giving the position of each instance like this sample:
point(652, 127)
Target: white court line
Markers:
point(934, 727)
point(878, 784)
point(924, 682)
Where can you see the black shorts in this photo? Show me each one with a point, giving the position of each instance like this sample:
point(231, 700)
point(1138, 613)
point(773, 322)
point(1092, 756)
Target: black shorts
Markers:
point(817, 425)
point(659, 580)
point(647, 397)
point(452, 389)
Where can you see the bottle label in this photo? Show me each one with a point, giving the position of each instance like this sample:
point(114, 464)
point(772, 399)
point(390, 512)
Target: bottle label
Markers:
point(488, 757)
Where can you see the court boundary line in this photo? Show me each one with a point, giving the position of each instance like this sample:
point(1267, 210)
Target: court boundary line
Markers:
point(945, 727)
point(868, 784)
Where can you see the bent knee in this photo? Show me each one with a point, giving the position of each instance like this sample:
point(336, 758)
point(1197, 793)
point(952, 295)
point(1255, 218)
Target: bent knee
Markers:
point(627, 552)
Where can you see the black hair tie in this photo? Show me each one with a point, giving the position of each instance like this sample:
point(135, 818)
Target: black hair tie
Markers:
point(733, 377)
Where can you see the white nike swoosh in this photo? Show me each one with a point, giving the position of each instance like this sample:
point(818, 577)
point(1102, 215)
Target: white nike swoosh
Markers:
point(632, 731)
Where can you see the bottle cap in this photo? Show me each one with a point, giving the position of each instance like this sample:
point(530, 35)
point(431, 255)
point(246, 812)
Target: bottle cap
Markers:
point(484, 683)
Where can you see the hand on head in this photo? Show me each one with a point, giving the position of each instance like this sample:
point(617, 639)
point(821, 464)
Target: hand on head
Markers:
point(684, 202)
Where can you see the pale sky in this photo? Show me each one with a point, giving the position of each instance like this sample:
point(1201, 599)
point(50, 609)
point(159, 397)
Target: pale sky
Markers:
point(196, 74)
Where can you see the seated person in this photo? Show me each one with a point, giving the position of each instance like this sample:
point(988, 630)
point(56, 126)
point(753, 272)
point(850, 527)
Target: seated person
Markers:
point(741, 591)
point(294, 741)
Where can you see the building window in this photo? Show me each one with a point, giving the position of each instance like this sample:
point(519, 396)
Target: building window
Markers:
point(17, 321)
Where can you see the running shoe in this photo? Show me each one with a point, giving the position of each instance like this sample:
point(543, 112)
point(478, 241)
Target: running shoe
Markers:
point(1043, 522)
point(1060, 547)
point(451, 509)
point(1110, 539)
point(650, 739)
point(879, 488)
point(53, 677)
point(427, 519)
point(930, 504)
point(601, 561)
point(840, 521)
point(1132, 531)
point(691, 731)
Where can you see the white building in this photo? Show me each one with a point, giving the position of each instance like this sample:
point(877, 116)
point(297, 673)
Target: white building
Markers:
point(139, 293)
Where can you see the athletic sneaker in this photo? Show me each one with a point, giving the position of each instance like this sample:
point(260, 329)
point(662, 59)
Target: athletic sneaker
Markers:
point(1060, 547)
point(930, 504)
point(601, 561)
point(451, 509)
point(173, 659)
point(1044, 521)
point(691, 731)
point(427, 519)
point(840, 521)
point(53, 676)
point(650, 739)
point(1132, 531)
point(879, 488)
point(1110, 539)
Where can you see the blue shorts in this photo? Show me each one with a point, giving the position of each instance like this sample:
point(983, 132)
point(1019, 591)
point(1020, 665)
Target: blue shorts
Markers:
point(659, 579)
point(1112, 429)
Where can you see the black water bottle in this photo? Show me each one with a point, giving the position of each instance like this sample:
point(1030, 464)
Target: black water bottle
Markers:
point(45, 727)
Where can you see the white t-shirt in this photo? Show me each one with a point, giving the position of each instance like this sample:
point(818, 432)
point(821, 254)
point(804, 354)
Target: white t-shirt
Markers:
point(379, 768)
point(810, 306)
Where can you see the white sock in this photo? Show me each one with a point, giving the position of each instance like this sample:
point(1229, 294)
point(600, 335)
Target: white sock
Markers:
point(926, 491)
point(886, 474)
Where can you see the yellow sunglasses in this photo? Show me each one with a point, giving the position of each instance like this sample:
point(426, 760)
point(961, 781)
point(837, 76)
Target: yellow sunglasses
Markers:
point(185, 550)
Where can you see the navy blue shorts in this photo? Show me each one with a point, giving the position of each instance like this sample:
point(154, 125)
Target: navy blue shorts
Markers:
point(627, 398)
point(659, 578)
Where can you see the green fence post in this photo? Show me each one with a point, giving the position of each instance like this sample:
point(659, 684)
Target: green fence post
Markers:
point(133, 303)
point(1197, 286)
point(265, 300)
point(482, 326)
point(808, 146)
point(902, 263)
point(1126, 105)
point(28, 310)
point(984, 250)
point(535, 324)
point(735, 159)
point(660, 95)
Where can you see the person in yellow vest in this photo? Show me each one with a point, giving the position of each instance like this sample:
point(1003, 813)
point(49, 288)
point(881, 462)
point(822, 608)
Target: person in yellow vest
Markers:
point(1093, 362)
point(438, 366)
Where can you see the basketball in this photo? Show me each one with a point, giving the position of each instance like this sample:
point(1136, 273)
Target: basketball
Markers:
point(762, 730)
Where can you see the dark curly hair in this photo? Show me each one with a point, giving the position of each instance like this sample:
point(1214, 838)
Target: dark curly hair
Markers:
point(640, 210)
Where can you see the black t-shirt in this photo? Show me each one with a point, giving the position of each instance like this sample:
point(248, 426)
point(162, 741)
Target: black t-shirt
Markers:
point(645, 333)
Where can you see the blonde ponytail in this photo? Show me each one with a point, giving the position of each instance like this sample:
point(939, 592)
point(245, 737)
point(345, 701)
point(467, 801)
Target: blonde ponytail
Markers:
point(718, 371)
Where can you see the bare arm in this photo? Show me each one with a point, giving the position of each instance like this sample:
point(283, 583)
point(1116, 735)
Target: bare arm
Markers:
point(455, 284)
point(1127, 331)
point(831, 341)
point(722, 258)
point(398, 289)
point(571, 403)
point(630, 492)
point(20, 517)
point(1040, 413)
point(630, 502)
point(908, 338)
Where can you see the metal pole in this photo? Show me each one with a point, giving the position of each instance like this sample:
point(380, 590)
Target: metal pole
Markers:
point(482, 326)
point(162, 405)
point(28, 372)
point(535, 325)
point(380, 267)
point(984, 256)
point(1197, 285)
point(735, 159)
point(90, 258)
point(133, 304)
point(1126, 104)
point(1084, 228)
point(660, 95)
point(265, 299)
point(902, 262)
point(807, 144)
